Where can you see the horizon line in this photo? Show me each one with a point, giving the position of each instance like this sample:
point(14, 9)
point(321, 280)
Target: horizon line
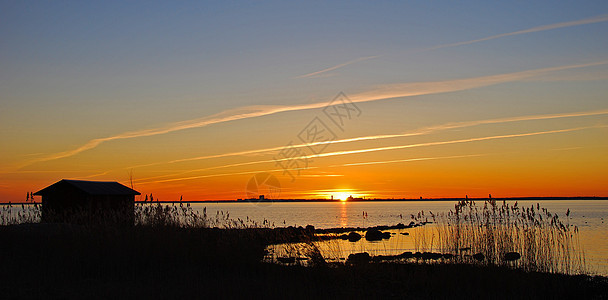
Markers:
point(358, 199)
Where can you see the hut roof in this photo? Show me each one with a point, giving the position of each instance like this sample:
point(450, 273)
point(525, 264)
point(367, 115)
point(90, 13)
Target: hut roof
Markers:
point(90, 187)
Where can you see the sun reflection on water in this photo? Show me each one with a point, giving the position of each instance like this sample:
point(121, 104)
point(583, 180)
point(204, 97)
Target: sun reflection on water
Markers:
point(343, 214)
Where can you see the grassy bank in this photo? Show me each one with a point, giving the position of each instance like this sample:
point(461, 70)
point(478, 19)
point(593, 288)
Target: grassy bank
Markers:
point(62, 261)
point(175, 252)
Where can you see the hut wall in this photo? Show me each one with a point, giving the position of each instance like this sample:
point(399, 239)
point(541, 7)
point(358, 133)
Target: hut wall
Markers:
point(73, 206)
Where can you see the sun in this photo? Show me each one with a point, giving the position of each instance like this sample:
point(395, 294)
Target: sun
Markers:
point(341, 196)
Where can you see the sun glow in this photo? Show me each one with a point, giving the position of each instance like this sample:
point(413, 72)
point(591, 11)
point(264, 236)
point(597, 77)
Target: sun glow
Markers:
point(342, 196)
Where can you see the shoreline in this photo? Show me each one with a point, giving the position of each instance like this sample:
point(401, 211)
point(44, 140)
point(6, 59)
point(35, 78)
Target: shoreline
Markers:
point(551, 198)
point(385, 200)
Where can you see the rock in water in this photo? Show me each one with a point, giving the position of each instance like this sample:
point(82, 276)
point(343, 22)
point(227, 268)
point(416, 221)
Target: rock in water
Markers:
point(353, 237)
point(373, 234)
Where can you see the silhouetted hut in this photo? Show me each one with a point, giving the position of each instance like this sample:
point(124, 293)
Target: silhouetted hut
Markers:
point(78, 201)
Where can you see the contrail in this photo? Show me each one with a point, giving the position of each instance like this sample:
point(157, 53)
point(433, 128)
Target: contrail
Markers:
point(280, 170)
point(452, 142)
point(315, 74)
point(215, 175)
point(416, 132)
point(436, 87)
point(210, 168)
point(407, 160)
point(339, 153)
point(596, 19)
point(381, 93)
point(591, 20)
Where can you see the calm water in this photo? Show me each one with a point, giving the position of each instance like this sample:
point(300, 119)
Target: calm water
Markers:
point(591, 217)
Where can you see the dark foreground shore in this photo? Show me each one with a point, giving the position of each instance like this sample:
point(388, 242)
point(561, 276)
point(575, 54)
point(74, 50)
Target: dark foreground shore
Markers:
point(71, 262)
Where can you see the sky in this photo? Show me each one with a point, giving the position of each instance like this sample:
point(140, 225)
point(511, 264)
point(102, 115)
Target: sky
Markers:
point(226, 100)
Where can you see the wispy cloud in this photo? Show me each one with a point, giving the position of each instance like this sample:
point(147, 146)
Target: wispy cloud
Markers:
point(453, 141)
point(380, 93)
point(308, 175)
point(322, 72)
point(436, 87)
point(416, 132)
point(596, 19)
point(587, 75)
point(46, 171)
point(206, 169)
point(321, 175)
point(567, 149)
point(96, 175)
point(215, 175)
point(407, 160)
point(367, 150)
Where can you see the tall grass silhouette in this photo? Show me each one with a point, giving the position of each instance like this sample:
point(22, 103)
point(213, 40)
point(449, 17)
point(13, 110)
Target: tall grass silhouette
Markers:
point(11, 214)
point(183, 215)
point(529, 238)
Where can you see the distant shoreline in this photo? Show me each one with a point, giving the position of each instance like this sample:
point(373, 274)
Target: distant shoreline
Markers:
point(353, 200)
point(381, 200)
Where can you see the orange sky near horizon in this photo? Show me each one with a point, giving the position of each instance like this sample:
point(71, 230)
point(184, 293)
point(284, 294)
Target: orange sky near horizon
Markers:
point(455, 164)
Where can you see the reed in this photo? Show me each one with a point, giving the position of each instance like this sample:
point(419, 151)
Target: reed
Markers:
point(477, 235)
point(182, 215)
point(497, 234)
point(172, 251)
point(154, 214)
point(19, 214)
